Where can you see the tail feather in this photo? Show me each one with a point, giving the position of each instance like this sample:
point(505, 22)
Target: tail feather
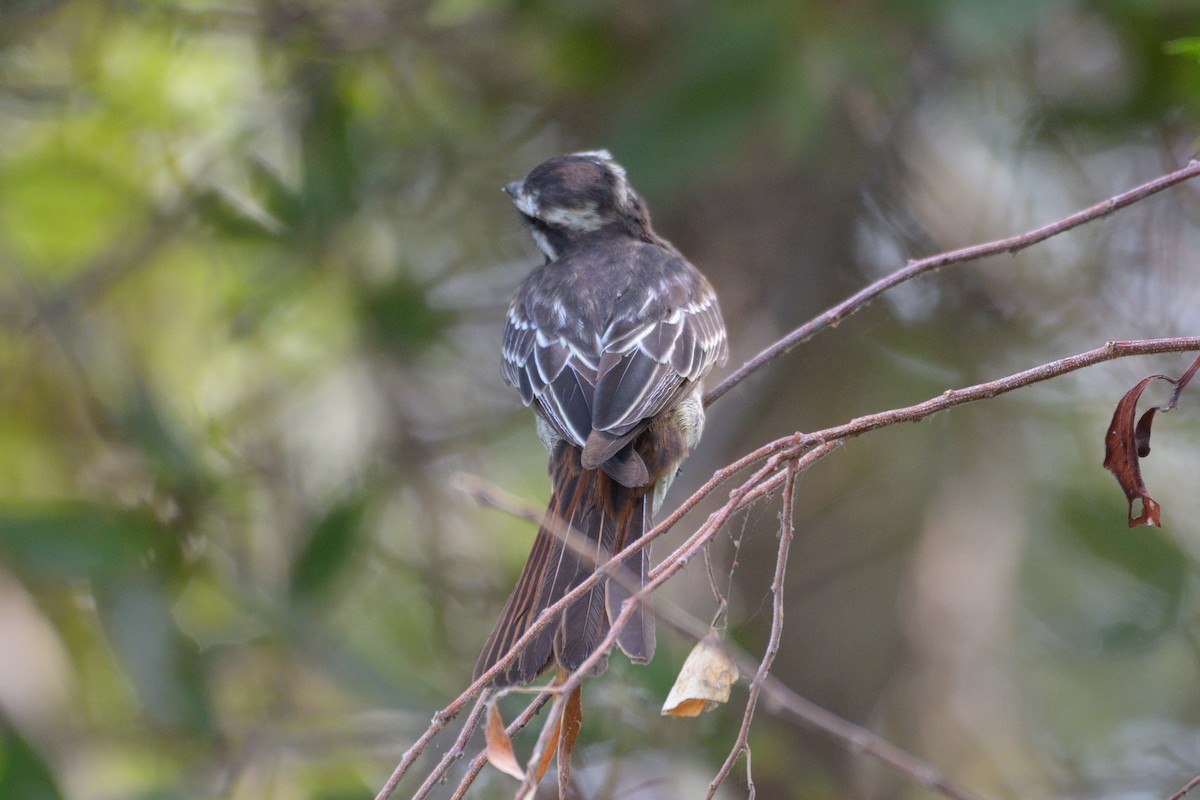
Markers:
point(585, 531)
point(636, 639)
point(590, 517)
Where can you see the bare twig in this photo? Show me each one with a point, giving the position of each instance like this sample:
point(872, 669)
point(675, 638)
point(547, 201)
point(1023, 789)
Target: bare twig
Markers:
point(916, 267)
point(989, 389)
point(741, 744)
point(460, 745)
point(1187, 787)
point(488, 494)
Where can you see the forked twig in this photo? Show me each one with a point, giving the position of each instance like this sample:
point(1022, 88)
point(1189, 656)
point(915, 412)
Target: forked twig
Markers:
point(460, 745)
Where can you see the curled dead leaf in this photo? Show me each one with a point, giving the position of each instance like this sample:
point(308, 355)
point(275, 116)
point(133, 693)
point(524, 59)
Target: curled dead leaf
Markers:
point(1128, 441)
point(706, 678)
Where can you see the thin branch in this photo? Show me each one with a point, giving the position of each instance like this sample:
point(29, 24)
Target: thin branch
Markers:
point(1187, 787)
point(487, 494)
point(799, 442)
point(460, 745)
point(990, 389)
point(786, 531)
point(916, 267)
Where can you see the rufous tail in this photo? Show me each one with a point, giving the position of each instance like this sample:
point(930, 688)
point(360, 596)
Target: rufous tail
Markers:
point(590, 517)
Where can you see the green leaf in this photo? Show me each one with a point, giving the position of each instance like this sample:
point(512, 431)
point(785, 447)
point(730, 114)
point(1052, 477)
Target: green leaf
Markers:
point(171, 454)
point(1100, 586)
point(1188, 46)
point(330, 175)
point(83, 541)
point(163, 665)
point(334, 541)
point(723, 73)
point(23, 773)
point(399, 317)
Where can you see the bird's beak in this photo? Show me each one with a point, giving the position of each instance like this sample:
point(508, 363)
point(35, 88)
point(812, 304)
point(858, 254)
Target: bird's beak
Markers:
point(512, 189)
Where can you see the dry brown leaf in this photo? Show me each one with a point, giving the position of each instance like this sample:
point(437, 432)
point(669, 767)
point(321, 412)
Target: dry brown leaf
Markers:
point(499, 745)
point(548, 753)
point(561, 740)
point(706, 678)
point(572, 721)
point(1128, 441)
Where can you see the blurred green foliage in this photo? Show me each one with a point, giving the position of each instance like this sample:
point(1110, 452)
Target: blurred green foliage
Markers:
point(253, 267)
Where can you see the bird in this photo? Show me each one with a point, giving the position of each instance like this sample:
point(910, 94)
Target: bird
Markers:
point(608, 341)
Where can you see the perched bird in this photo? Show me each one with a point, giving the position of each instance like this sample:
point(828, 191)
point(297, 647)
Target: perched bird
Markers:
point(608, 341)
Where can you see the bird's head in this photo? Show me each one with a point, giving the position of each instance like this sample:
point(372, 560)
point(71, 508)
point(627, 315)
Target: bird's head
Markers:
point(568, 196)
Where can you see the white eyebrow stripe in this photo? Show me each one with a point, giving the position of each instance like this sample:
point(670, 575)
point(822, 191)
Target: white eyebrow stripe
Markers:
point(584, 218)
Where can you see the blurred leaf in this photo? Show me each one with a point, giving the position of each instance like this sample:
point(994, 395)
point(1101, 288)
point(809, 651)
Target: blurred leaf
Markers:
point(56, 189)
point(23, 773)
point(269, 209)
point(172, 455)
point(330, 176)
point(332, 545)
point(78, 541)
point(162, 663)
point(232, 220)
point(278, 198)
point(399, 317)
point(1188, 46)
point(1098, 587)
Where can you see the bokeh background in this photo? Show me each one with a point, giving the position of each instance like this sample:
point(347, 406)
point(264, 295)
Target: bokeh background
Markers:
point(254, 261)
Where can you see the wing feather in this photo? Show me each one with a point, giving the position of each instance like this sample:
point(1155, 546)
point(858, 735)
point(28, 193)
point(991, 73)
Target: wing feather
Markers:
point(625, 390)
point(671, 354)
point(642, 351)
